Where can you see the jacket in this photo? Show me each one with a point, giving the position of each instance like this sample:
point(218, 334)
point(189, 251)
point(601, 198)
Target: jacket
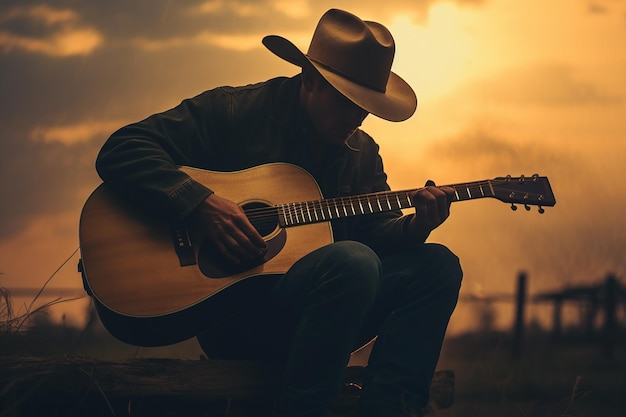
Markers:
point(234, 128)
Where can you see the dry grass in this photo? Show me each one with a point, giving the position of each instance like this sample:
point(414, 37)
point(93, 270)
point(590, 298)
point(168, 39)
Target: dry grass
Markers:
point(567, 378)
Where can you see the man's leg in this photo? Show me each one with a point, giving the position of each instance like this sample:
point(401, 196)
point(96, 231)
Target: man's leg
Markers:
point(335, 288)
point(418, 294)
point(311, 319)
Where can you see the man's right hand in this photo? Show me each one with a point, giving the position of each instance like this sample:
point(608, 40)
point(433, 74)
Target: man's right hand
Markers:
point(227, 226)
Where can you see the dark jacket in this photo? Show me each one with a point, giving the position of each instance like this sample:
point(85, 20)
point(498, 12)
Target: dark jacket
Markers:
point(233, 128)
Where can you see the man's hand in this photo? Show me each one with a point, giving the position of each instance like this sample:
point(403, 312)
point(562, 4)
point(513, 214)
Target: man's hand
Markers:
point(229, 229)
point(432, 207)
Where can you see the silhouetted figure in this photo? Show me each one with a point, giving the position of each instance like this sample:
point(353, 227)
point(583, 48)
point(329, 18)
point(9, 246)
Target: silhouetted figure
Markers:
point(378, 278)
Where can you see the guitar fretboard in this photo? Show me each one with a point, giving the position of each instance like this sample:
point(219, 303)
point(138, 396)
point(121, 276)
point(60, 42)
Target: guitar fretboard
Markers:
point(295, 214)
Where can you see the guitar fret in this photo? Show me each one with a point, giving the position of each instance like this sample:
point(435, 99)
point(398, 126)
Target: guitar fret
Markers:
point(491, 187)
point(297, 212)
point(290, 214)
point(320, 208)
point(302, 214)
point(294, 214)
point(469, 193)
point(301, 205)
point(282, 210)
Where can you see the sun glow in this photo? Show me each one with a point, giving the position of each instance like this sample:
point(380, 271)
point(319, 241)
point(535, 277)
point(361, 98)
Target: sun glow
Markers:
point(433, 58)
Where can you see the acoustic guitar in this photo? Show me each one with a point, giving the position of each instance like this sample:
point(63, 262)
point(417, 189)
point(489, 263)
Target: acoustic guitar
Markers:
point(154, 283)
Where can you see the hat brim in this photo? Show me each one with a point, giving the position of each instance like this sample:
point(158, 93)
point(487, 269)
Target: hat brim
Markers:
point(396, 104)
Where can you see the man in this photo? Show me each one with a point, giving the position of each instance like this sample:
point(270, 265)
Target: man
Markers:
point(379, 279)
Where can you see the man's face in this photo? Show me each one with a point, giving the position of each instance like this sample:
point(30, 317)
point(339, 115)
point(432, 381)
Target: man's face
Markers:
point(334, 117)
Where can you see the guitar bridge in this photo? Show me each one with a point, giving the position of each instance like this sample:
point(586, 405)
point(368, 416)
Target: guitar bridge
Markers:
point(183, 246)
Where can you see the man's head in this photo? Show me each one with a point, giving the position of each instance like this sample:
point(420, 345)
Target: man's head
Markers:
point(354, 57)
point(333, 116)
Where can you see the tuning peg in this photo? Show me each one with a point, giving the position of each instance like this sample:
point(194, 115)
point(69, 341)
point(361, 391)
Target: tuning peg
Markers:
point(527, 207)
point(541, 210)
point(513, 207)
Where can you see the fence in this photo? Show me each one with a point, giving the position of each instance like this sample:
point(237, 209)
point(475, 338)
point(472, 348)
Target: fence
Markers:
point(598, 303)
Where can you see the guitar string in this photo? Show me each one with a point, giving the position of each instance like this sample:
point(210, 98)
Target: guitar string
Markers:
point(340, 203)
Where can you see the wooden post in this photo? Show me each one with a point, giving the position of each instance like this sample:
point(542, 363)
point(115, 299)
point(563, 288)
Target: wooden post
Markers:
point(610, 321)
point(557, 317)
point(591, 306)
point(518, 330)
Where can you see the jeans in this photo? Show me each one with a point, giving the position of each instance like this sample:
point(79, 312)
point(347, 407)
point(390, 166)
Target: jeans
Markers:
point(333, 301)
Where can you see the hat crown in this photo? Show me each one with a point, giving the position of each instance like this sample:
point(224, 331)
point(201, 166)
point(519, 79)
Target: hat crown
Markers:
point(355, 57)
point(358, 50)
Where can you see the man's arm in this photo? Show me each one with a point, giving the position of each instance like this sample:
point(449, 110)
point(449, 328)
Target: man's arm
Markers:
point(141, 161)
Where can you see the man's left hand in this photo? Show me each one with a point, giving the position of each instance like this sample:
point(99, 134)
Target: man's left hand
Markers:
point(432, 208)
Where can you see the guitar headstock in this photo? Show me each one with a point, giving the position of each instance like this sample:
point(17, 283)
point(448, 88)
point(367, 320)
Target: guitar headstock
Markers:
point(534, 190)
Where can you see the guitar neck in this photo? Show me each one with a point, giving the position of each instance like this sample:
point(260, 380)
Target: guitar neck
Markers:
point(296, 214)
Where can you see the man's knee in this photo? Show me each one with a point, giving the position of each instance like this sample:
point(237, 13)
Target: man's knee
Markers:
point(446, 261)
point(431, 265)
point(353, 266)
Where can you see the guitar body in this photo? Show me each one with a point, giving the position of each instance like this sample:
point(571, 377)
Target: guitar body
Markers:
point(155, 283)
point(146, 294)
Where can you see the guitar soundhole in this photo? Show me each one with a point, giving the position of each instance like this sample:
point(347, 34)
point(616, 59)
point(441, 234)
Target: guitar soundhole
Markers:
point(265, 220)
point(262, 217)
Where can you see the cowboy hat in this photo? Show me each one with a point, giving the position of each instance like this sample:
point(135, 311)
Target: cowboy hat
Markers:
point(355, 57)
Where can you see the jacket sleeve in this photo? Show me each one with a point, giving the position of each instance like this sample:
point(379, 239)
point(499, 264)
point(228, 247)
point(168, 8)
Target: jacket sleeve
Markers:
point(141, 160)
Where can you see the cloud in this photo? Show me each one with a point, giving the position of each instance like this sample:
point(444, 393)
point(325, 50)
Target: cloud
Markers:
point(293, 8)
point(75, 133)
point(63, 43)
point(233, 42)
point(42, 13)
point(57, 32)
point(60, 31)
point(490, 150)
point(43, 179)
point(597, 8)
point(549, 84)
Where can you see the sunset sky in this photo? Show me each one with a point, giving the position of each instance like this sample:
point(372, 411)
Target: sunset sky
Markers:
point(504, 87)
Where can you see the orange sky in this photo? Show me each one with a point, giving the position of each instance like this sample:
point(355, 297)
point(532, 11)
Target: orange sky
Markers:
point(504, 87)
